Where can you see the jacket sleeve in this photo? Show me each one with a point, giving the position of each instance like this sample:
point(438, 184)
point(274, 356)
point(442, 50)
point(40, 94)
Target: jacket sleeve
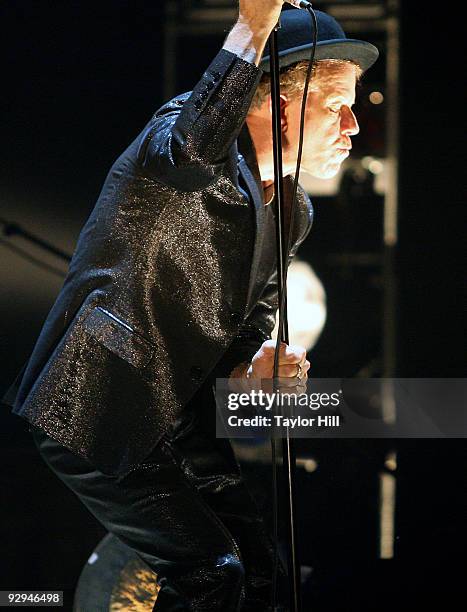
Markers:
point(258, 326)
point(186, 143)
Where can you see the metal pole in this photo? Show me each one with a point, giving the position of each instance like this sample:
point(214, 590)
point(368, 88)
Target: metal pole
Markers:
point(288, 449)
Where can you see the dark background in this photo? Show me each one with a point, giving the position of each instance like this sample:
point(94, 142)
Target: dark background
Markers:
point(79, 81)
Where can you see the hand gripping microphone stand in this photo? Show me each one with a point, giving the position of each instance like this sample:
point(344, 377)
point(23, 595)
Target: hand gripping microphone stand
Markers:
point(288, 449)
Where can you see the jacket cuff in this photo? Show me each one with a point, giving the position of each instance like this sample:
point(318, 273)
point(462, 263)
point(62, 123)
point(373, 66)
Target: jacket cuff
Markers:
point(244, 346)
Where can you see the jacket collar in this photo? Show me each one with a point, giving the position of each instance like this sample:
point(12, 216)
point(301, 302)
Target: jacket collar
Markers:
point(247, 151)
point(249, 171)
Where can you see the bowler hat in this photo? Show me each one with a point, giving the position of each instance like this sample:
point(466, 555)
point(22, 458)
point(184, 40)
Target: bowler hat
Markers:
point(295, 40)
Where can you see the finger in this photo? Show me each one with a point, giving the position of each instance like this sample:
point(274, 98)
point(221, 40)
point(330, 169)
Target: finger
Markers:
point(288, 384)
point(269, 346)
point(292, 354)
point(305, 365)
point(288, 371)
point(292, 387)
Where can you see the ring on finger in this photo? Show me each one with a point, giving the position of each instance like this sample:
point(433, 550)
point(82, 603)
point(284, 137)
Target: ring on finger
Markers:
point(299, 371)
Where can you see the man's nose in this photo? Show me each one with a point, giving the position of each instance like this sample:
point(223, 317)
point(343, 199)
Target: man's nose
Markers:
point(349, 123)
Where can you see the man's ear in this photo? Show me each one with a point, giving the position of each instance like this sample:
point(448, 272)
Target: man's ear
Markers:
point(284, 112)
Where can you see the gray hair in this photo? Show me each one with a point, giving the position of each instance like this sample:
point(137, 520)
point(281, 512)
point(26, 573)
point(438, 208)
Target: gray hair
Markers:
point(292, 78)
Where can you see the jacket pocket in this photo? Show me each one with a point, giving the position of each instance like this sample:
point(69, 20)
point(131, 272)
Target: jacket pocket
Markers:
point(118, 337)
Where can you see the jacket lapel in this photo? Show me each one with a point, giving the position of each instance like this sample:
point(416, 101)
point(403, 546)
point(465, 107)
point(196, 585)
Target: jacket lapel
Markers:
point(249, 172)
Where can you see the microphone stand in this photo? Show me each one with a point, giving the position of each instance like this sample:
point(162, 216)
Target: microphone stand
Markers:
point(288, 449)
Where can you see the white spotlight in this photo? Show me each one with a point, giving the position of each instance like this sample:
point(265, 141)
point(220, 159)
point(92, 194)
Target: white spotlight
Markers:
point(376, 97)
point(306, 302)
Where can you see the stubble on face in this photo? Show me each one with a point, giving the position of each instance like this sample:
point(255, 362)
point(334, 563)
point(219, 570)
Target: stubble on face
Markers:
point(330, 122)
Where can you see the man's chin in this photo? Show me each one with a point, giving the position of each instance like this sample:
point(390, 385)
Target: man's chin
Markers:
point(328, 172)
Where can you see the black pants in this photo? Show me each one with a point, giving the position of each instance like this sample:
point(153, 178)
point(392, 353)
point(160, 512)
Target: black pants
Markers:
point(185, 511)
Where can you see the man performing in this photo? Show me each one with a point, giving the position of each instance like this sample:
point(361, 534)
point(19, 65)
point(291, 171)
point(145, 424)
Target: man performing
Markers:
point(173, 284)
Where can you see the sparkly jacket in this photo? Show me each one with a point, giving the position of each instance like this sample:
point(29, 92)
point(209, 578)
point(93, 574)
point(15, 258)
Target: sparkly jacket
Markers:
point(164, 287)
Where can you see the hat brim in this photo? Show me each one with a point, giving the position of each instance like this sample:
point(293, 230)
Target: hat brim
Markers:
point(362, 53)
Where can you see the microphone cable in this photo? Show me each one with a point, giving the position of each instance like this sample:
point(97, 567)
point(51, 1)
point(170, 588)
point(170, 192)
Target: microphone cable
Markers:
point(293, 207)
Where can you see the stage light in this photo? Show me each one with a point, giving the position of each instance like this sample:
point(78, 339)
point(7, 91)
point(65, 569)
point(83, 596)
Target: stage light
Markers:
point(375, 167)
point(387, 508)
point(310, 465)
point(376, 97)
point(391, 461)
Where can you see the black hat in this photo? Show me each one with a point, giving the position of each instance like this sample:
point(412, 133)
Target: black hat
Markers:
point(295, 40)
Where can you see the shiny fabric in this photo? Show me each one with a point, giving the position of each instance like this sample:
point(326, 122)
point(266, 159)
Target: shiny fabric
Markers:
point(165, 285)
point(186, 512)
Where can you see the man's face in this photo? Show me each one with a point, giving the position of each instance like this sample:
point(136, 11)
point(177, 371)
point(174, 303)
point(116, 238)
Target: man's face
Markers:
point(329, 123)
